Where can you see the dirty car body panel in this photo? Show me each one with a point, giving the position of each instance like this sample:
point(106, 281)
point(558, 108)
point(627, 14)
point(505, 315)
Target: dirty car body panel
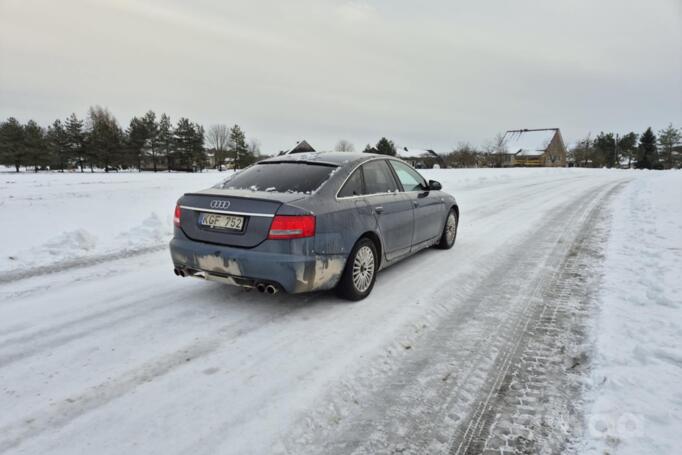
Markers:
point(251, 255)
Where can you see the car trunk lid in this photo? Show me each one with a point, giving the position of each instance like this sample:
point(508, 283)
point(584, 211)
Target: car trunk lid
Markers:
point(238, 218)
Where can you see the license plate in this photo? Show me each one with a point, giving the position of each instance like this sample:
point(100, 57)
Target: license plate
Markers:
point(216, 221)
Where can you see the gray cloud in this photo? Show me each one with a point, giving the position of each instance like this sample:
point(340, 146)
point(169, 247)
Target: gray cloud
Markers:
point(427, 74)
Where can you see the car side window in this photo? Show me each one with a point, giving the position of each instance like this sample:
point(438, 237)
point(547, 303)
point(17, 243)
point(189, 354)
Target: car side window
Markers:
point(409, 178)
point(353, 186)
point(378, 177)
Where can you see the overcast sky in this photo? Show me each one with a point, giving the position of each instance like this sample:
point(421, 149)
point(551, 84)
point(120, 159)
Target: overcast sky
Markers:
point(425, 74)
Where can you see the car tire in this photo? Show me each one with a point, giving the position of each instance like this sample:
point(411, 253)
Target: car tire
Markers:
point(449, 235)
point(360, 272)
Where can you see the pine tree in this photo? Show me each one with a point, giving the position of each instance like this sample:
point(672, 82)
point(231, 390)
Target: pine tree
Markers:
point(385, 147)
point(105, 139)
point(668, 138)
point(184, 143)
point(627, 146)
point(369, 149)
point(605, 148)
point(238, 148)
point(647, 157)
point(198, 150)
point(152, 143)
point(34, 142)
point(76, 139)
point(136, 140)
point(165, 139)
point(58, 145)
point(12, 147)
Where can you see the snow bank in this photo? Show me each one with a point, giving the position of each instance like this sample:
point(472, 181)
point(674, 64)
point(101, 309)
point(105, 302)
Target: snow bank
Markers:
point(50, 218)
point(636, 384)
point(72, 241)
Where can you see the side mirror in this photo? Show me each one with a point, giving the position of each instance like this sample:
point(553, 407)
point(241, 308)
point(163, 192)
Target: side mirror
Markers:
point(435, 186)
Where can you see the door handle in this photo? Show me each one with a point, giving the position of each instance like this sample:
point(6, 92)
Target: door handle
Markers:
point(379, 209)
point(415, 203)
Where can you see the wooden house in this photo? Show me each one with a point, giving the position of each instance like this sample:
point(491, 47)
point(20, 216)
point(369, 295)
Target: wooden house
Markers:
point(535, 148)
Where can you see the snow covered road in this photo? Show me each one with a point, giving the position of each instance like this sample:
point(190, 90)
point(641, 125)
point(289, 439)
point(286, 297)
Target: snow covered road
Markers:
point(462, 351)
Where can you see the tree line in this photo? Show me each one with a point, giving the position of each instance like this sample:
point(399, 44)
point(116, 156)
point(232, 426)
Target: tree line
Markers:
point(645, 151)
point(151, 143)
point(99, 142)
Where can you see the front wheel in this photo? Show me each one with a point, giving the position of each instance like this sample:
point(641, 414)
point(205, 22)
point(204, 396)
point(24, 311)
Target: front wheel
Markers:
point(447, 239)
point(359, 274)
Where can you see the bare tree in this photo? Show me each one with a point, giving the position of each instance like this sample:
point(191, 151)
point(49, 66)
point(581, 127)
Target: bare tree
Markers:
point(254, 147)
point(344, 146)
point(583, 152)
point(465, 155)
point(218, 137)
point(494, 152)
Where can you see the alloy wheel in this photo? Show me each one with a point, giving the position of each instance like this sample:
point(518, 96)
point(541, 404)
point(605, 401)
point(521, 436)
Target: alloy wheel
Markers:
point(363, 268)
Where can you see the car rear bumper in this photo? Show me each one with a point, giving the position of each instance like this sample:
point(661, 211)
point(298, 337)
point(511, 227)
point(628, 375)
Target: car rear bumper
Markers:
point(248, 267)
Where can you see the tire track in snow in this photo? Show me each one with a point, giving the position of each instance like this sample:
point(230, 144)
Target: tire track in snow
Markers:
point(416, 407)
point(78, 263)
point(503, 420)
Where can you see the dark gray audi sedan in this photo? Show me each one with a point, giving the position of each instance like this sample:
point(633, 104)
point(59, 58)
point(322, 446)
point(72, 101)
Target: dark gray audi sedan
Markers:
point(311, 221)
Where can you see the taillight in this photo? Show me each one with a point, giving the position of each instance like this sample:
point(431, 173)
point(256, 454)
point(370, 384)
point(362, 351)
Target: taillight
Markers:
point(176, 216)
point(292, 227)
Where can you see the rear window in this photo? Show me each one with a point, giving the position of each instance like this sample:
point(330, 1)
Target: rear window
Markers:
point(280, 177)
point(353, 186)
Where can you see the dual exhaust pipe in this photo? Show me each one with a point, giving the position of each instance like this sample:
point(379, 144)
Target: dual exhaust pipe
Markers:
point(266, 288)
point(260, 286)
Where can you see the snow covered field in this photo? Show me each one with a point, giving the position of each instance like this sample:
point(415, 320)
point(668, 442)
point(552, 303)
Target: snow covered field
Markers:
point(556, 314)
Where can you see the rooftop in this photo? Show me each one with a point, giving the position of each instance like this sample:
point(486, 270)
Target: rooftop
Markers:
point(302, 147)
point(528, 142)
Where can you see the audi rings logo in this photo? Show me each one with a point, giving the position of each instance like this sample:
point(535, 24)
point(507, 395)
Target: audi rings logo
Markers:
point(216, 204)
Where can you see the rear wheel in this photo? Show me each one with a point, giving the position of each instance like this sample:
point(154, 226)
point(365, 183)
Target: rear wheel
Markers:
point(360, 272)
point(447, 239)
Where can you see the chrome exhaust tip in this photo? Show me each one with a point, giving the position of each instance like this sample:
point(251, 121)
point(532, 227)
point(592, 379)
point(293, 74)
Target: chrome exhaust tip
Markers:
point(270, 289)
point(260, 287)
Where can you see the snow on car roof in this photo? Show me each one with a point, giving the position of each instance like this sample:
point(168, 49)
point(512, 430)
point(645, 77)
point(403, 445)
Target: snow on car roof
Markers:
point(335, 158)
point(528, 142)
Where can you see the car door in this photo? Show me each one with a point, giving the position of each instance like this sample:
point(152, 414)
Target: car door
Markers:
point(428, 205)
point(391, 208)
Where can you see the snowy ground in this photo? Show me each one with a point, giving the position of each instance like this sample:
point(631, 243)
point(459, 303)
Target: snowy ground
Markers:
point(636, 396)
point(557, 312)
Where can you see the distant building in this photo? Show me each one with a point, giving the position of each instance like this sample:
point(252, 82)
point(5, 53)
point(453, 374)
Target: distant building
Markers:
point(538, 147)
point(420, 159)
point(300, 147)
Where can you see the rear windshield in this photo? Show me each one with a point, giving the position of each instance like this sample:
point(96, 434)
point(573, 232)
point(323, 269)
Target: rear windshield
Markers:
point(280, 177)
